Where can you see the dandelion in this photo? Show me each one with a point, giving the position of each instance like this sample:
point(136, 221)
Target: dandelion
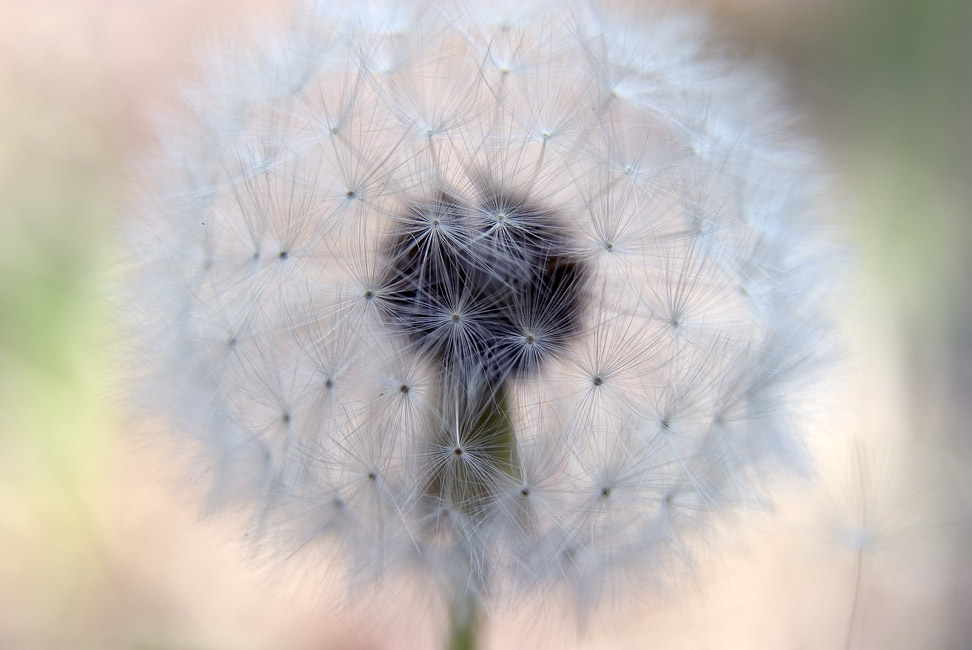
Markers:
point(879, 531)
point(512, 295)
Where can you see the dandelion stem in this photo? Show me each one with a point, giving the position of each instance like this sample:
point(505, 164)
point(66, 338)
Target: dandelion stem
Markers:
point(479, 443)
point(463, 619)
point(483, 450)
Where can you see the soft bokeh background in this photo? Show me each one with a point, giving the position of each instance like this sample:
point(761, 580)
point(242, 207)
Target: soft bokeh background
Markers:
point(99, 550)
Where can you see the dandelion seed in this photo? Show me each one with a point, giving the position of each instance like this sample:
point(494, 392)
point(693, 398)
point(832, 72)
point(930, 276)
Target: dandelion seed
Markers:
point(546, 291)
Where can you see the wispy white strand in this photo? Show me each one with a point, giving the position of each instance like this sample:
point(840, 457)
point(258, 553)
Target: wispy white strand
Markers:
point(269, 326)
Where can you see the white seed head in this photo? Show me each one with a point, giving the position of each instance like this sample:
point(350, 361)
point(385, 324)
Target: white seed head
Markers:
point(511, 291)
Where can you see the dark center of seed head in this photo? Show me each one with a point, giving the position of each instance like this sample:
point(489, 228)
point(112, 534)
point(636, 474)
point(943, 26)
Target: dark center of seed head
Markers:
point(512, 279)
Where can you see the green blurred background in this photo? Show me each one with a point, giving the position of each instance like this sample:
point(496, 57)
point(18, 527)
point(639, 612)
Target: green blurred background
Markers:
point(95, 553)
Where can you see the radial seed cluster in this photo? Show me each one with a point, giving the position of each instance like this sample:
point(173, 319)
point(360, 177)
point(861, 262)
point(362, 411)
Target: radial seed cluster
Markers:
point(514, 295)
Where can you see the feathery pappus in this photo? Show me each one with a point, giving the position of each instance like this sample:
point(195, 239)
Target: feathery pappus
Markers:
point(512, 294)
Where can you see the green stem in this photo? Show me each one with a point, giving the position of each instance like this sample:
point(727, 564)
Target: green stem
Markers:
point(486, 435)
point(463, 619)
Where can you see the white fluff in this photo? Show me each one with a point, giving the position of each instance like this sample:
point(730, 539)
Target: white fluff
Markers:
point(256, 300)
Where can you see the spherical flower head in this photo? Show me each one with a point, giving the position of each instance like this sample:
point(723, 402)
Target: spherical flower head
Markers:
point(515, 295)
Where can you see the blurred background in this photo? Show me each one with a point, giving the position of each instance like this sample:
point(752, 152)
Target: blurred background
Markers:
point(97, 550)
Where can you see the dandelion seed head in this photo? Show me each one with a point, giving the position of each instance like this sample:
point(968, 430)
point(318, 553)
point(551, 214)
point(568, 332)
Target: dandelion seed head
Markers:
point(515, 291)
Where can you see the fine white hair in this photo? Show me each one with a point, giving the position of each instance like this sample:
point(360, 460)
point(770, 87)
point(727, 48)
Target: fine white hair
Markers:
point(291, 313)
